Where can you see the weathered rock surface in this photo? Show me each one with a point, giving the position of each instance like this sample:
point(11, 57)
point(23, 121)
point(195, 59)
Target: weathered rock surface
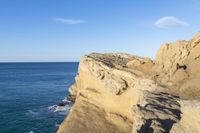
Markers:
point(121, 93)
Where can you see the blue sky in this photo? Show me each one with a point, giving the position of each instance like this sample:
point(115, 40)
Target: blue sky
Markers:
point(64, 30)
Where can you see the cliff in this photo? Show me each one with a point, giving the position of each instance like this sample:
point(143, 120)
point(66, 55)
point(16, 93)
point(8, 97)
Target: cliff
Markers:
point(121, 93)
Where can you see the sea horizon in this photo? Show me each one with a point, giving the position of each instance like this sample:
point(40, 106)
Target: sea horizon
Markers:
point(41, 62)
point(30, 93)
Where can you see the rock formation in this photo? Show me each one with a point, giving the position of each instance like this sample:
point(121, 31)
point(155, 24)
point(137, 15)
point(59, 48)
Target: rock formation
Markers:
point(121, 93)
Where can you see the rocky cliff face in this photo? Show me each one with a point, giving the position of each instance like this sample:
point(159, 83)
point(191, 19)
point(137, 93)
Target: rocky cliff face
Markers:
point(121, 93)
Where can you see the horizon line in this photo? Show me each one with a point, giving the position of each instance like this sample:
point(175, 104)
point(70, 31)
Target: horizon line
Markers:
point(39, 62)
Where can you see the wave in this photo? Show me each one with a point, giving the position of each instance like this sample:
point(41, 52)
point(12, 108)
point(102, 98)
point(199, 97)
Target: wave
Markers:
point(63, 107)
point(30, 132)
point(56, 108)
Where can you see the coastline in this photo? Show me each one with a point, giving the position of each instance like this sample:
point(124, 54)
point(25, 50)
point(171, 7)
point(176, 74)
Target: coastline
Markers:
point(118, 92)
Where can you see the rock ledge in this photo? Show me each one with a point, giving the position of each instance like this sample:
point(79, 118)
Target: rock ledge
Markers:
point(122, 93)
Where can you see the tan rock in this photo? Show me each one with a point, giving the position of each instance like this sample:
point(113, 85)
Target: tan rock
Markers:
point(142, 64)
point(121, 93)
point(190, 118)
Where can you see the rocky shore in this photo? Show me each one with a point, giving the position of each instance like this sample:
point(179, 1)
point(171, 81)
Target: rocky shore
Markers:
point(122, 93)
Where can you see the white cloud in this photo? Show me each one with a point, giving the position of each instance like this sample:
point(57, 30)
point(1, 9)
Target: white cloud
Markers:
point(170, 22)
point(68, 21)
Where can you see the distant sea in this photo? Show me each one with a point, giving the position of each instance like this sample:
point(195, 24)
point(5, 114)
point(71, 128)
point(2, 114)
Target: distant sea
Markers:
point(27, 90)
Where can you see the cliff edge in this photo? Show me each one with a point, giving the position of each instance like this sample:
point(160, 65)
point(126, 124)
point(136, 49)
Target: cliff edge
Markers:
point(122, 93)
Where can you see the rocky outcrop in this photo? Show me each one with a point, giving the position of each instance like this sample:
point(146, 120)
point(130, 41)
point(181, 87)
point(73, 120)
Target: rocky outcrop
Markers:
point(177, 65)
point(121, 93)
point(190, 114)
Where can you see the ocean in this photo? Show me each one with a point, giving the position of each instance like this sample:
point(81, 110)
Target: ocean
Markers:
point(28, 91)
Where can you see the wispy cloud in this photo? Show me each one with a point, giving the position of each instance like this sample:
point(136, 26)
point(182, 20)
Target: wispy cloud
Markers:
point(170, 22)
point(68, 21)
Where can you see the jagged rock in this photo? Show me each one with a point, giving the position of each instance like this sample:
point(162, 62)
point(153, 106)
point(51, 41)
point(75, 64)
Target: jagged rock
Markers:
point(116, 85)
point(73, 90)
point(121, 93)
point(71, 98)
point(190, 118)
point(156, 113)
point(141, 64)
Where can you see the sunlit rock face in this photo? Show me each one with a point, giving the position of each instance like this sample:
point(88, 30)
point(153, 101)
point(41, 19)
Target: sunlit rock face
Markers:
point(122, 93)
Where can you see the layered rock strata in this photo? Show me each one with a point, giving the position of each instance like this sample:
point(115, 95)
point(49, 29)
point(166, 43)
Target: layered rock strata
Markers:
point(121, 93)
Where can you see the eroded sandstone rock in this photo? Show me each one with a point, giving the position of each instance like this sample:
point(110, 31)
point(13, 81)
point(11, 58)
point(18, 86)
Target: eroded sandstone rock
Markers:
point(121, 93)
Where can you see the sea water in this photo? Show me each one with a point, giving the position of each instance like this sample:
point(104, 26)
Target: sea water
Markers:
point(29, 93)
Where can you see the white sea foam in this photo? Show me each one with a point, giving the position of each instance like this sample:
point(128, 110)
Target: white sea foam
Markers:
point(32, 113)
point(57, 125)
point(65, 100)
point(31, 132)
point(56, 108)
point(62, 109)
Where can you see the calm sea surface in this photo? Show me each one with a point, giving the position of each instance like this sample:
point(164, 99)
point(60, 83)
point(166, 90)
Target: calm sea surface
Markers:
point(26, 92)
